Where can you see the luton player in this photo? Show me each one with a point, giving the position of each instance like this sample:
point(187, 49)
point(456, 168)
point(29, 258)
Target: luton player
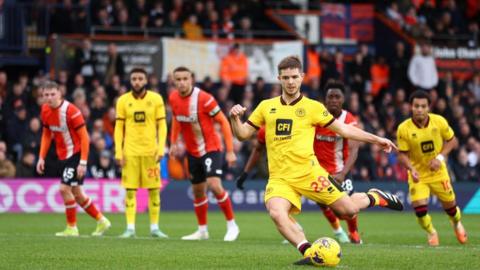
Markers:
point(64, 123)
point(424, 141)
point(140, 135)
point(290, 122)
point(195, 113)
point(337, 155)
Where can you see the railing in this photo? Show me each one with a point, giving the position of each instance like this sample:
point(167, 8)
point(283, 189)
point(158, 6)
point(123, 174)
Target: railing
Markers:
point(178, 32)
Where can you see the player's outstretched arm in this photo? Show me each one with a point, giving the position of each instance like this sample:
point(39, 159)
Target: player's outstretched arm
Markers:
point(354, 133)
point(118, 138)
point(227, 137)
point(242, 131)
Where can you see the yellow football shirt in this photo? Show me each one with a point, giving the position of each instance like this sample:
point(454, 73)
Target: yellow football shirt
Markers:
point(424, 144)
point(140, 116)
point(289, 134)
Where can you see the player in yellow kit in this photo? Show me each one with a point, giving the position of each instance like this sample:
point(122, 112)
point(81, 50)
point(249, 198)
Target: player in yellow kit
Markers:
point(424, 140)
point(140, 134)
point(290, 122)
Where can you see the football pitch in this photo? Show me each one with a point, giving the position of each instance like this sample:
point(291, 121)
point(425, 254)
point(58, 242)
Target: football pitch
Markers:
point(391, 241)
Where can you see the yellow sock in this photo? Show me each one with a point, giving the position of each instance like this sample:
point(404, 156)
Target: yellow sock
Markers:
point(426, 223)
point(456, 218)
point(131, 206)
point(154, 205)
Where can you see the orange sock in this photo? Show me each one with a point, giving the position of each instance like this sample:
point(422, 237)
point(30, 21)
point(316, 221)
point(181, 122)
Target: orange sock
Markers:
point(226, 205)
point(331, 217)
point(71, 213)
point(201, 209)
point(91, 209)
point(352, 224)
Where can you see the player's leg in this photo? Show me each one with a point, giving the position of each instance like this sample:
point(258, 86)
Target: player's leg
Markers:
point(279, 210)
point(70, 210)
point(200, 199)
point(419, 195)
point(150, 179)
point(200, 205)
point(224, 202)
point(212, 164)
point(335, 224)
point(103, 224)
point(446, 195)
point(352, 223)
point(131, 173)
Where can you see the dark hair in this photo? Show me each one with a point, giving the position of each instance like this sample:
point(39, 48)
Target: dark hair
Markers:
point(182, 69)
point(419, 94)
point(292, 61)
point(50, 85)
point(334, 84)
point(139, 70)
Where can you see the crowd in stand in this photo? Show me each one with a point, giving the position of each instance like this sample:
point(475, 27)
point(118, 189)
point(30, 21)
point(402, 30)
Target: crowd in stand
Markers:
point(192, 19)
point(438, 20)
point(378, 90)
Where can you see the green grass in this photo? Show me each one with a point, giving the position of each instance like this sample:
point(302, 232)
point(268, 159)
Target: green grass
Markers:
point(392, 241)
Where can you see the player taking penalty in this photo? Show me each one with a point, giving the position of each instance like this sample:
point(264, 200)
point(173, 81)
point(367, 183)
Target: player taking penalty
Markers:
point(64, 123)
point(290, 122)
point(424, 141)
point(140, 135)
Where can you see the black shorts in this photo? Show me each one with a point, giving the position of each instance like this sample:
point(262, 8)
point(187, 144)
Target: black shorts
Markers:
point(205, 166)
point(347, 185)
point(68, 171)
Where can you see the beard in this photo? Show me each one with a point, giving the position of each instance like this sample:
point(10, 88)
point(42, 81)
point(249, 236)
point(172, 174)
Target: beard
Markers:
point(139, 90)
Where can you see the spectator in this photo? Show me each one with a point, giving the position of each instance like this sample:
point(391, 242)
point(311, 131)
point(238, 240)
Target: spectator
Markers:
point(104, 167)
point(7, 169)
point(380, 74)
point(213, 25)
point(26, 166)
point(234, 72)
point(31, 139)
point(462, 169)
point(123, 21)
point(192, 29)
point(245, 30)
point(399, 68)
point(16, 125)
point(115, 65)
point(173, 24)
point(85, 60)
point(422, 70)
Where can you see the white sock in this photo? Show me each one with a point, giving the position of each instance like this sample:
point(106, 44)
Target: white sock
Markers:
point(339, 230)
point(131, 227)
point(301, 243)
point(231, 224)
point(202, 228)
point(73, 227)
point(102, 219)
point(153, 227)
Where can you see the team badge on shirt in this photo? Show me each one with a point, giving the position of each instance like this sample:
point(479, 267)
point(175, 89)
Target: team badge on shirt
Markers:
point(300, 112)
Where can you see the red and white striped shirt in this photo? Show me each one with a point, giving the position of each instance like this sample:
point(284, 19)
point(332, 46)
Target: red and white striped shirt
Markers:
point(330, 148)
point(195, 114)
point(63, 121)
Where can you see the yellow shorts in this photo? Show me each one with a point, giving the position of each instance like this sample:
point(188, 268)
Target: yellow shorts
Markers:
point(314, 186)
point(442, 189)
point(141, 172)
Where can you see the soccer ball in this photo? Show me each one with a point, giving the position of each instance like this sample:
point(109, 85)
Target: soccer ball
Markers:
point(325, 252)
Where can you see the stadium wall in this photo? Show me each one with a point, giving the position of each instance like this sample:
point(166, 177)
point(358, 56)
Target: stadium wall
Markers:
point(42, 195)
